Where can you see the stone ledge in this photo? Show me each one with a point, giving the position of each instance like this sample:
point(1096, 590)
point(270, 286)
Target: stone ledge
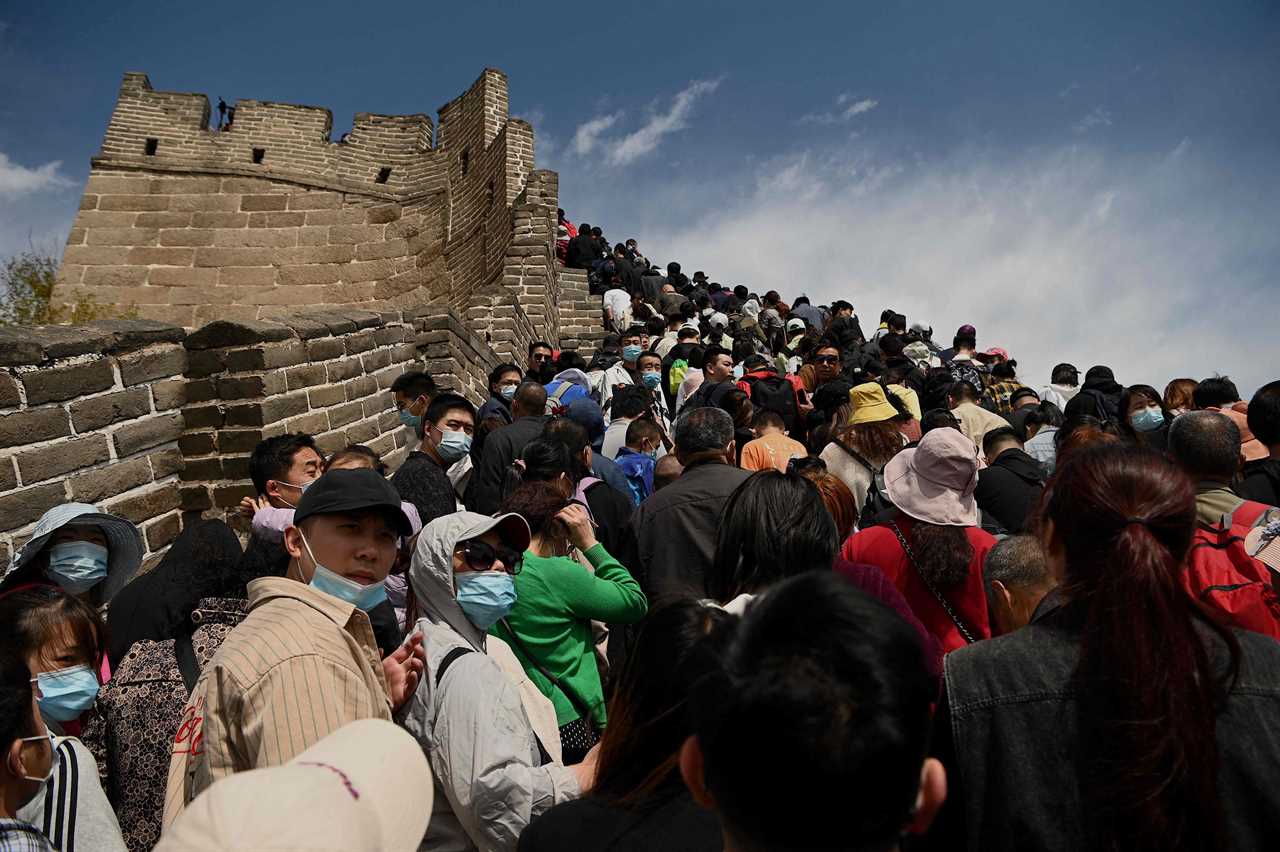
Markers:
point(39, 344)
point(222, 333)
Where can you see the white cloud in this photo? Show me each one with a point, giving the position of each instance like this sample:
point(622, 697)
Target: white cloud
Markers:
point(845, 110)
point(640, 142)
point(18, 180)
point(588, 134)
point(1099, 117)
point(1063, 255)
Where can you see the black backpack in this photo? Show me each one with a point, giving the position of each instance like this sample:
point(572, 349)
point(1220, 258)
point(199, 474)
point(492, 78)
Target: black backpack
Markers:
point(774, 393)
point(877, 500)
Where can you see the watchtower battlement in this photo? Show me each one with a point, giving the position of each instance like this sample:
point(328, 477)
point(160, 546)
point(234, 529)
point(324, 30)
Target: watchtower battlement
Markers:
point(188, 220)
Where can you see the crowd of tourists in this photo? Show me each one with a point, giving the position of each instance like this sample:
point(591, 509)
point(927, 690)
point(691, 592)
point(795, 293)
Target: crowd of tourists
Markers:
point(747, 579)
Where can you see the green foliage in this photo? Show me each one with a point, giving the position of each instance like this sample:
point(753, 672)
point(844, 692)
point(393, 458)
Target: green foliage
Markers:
point(27, 281)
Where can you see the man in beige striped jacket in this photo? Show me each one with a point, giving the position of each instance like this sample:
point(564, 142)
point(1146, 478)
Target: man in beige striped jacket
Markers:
point(304, 662)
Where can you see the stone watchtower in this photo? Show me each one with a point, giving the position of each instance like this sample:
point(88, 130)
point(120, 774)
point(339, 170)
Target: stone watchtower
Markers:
point(187, 224)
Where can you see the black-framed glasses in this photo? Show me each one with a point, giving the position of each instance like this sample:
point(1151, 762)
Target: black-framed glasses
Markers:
point(481, 555)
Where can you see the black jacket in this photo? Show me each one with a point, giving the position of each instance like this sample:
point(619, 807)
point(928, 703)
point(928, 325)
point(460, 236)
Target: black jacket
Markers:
point(581, 252)
point(1007, 733)
point(668, 820)
point(1261, 482)
point(677, 529)
point(1008, 490)
point(501, 448)
point(423, 482)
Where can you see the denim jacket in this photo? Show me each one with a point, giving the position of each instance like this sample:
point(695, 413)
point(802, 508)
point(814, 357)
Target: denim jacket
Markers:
point(1008, 735)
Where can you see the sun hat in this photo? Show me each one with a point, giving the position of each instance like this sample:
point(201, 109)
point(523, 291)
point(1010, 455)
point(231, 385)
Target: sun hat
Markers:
point(935, 481)
point(124, 542)
point(870, 405)
point(366, 786)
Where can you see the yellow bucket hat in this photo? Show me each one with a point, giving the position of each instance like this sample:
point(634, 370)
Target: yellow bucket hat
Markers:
point(870, 405)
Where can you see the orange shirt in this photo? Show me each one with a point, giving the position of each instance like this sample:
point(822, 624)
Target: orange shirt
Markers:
point(771, 451)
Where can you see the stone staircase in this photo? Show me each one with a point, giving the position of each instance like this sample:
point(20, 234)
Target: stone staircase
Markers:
point(581, 314)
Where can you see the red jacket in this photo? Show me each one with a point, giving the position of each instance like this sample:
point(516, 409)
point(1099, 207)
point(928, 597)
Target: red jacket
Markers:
point(879, 546)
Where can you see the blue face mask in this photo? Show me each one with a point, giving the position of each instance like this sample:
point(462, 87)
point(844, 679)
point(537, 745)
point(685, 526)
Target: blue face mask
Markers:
point(67, 693)
point(453, 446)
point(77, 566)
point(631, 353)
point(408, 418)
point(324, 580)
point(508, 392)
point(486, 597)
point(651, 380)
point(1147, 419)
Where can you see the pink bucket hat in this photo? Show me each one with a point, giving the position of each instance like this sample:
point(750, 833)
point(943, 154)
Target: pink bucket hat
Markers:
point(935, 481)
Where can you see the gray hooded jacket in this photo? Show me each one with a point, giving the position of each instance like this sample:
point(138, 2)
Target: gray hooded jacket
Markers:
point(473, 728)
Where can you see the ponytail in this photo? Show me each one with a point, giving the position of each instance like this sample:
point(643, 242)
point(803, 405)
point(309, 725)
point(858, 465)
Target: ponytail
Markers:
point(1147, 693)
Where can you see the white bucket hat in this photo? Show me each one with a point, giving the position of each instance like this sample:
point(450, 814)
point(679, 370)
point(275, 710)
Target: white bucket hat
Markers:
point(935, 481)
point(366, 786)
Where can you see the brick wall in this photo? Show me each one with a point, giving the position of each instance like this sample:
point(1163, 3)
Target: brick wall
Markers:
point(91, 414)
point(581, 314)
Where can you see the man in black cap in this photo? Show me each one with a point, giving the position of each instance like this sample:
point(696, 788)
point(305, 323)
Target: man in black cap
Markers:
point(303, 663)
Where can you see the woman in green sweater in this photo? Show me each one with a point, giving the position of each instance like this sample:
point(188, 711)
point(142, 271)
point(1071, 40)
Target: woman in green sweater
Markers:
point(557, 597)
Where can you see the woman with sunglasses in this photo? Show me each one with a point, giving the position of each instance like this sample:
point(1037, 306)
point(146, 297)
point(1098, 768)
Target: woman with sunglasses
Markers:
point(489, 732)
point(558, 597)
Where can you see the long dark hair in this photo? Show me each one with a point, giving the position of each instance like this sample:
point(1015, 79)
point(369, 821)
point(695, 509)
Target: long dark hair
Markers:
point(773, 526)
point(943, 553)
point(1147, 693)
point(648, 719)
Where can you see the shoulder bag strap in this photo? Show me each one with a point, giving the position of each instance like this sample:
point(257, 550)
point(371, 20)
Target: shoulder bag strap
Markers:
point(942, 601)
point(855, 456)
point(578, 704)
point(544, 757)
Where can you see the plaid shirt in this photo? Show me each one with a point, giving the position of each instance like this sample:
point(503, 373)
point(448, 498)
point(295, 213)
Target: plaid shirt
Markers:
point(18, 836)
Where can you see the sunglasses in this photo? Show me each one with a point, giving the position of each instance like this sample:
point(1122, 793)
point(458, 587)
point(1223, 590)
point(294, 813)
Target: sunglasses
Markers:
point(826, 359)
point(481, 555)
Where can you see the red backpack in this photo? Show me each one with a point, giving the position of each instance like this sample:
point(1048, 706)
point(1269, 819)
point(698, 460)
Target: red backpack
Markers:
point(1224, 577)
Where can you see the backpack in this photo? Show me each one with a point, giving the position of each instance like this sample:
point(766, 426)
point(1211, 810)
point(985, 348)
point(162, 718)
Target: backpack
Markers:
point(776, 394)
point(876, 501)
point(675, 376)
point(555, 405)
point(1225, 578)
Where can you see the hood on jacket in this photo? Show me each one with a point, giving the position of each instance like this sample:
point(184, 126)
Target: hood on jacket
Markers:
point(574, 376)
point(431, 570)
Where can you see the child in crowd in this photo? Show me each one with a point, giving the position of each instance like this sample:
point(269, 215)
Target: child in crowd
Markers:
point(639, 456)
point(772, 449)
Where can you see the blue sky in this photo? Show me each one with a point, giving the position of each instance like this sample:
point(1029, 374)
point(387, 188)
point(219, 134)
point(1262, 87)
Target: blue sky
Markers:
point(1093, 182)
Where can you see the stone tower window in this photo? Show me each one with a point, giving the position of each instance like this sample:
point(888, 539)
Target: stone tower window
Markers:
point(384, 174)
point(466, 162)
point(258, 154)
point(151, 146)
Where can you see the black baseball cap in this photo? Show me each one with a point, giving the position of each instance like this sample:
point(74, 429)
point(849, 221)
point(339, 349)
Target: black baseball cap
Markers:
point(352, 491)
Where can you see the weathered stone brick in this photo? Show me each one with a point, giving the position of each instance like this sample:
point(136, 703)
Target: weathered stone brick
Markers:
point(166, 219)
point(361, 387)
point(146, 505)
point(67, 381)
point(376, 360)
point(19, 508)
point(197, 444)
point(325, 348)
point(147, 364)
point(305, 376)
point(181, 276)
point(249, 387)
point(360, 342)
point(8, 476)
point(277, 220)
point(325, 273)
point(234, 256)
point(205, 362)
point(165, 463)
point(235, 467)
point(99, 411)
point(347, 368)
point(343, 414)
point(25, 427)
point(202, 390)
point(284, 407)
point(204, 203)
point(147, 433)
point(365, 430)
point(257, 237)
point(114, 276)
point(189, 236)
point(315, 201)
point(216, 219)
point(203, 416)
point(311, 423)
point(46, 462)
point(246, 276)
point(239, 440)
point(162, 532)
point(133, 202)
point(171, 393)
point(266, 356)
point(99, 483)
point(161, 256)
point(194, 498)
point(8, 391)
point(202, 470)
point(323, 397)
point(352, 234)
point(264, 202)
point(229, 496)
